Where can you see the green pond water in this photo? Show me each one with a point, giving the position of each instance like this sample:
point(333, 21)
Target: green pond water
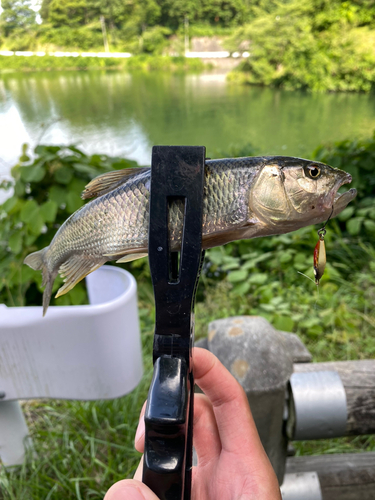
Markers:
point(125, 114)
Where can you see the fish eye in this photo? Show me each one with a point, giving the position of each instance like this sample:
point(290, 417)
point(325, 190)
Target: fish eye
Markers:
point(313, 171)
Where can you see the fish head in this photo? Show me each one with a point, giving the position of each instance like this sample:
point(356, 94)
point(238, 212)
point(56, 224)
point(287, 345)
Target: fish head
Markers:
point(296, 192)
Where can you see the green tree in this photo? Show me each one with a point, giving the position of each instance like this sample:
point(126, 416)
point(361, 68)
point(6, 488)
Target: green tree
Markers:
point(16, 15)
point(311, 44)
point(134, 20)
point(44, 10)
point(72, 13)
point(140, 14)
point(222, 12)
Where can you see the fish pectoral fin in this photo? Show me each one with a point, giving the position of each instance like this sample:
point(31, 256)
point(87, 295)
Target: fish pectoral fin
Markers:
point(75, 269)
point(131, 256)
point(219, 238)
point(109, 181)
point(223, 237)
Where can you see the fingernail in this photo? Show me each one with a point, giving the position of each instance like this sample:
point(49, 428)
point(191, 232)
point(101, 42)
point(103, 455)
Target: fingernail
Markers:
point(140, 430)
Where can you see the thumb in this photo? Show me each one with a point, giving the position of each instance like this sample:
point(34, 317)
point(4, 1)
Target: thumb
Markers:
point(130, 489)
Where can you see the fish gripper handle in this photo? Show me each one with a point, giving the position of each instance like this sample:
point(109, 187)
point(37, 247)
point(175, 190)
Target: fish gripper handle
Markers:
point(177, 183)
point(167, 429)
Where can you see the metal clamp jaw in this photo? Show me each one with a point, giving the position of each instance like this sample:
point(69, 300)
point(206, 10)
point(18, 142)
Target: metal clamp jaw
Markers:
point(177, 177)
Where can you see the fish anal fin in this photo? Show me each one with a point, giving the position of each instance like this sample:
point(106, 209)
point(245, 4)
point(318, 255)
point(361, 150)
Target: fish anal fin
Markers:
point(110, 180)
point(131, 256)
point(75, 269)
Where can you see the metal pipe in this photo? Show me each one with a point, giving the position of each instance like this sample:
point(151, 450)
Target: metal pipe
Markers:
point(301, 486)
point(317, 407)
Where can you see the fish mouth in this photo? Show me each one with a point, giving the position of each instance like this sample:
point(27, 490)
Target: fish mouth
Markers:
point(342, 200)
point(338, 201)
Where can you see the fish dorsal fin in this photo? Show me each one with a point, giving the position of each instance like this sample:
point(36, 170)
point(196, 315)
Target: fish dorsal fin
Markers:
point(109, 181)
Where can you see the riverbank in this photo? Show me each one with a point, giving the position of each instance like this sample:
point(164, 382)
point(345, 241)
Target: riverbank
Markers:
point(297, 45)
point(48, 62)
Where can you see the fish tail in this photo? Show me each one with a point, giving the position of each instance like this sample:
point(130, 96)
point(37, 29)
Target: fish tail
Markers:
point(73, 270)
point(48, 279)
point(37, 262)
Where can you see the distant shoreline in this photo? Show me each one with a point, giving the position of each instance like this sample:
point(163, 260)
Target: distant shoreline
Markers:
point(74, 61)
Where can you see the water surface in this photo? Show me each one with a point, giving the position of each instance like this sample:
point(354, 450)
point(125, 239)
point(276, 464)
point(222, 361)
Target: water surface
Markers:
point(126, 114)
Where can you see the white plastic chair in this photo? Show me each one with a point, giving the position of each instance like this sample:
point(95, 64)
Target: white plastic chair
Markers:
point(74, 352)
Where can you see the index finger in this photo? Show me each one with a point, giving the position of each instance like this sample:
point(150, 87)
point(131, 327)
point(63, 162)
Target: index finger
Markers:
point(232, 412)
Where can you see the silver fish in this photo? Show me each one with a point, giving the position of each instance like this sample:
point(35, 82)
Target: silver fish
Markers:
point(243, 198)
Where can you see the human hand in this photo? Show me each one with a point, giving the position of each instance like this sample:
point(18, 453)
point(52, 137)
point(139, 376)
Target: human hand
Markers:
point(232, 464)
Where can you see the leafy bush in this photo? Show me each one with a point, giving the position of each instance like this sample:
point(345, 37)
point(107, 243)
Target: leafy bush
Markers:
point(37, 63)
point(46, 192)
point(155, 39)
point(21, 40)
point(164, 63)
point(358, 158)
point(87, 37)
point(263, 276)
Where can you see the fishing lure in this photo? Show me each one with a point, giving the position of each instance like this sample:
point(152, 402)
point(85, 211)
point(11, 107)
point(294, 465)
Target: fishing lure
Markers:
point(320, 258)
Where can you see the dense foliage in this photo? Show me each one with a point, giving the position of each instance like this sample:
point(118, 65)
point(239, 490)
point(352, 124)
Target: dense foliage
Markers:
point(136, 26)
point(311, 44)
point(46, 191)
point(17, 17)
point(317, 45)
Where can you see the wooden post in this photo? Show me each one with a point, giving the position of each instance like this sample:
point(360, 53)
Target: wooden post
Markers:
point(261, 359)
point(350, 476)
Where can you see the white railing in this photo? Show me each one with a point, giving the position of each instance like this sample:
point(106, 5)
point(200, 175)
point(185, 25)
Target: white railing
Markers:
point(76, 352)
point(65, 54)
